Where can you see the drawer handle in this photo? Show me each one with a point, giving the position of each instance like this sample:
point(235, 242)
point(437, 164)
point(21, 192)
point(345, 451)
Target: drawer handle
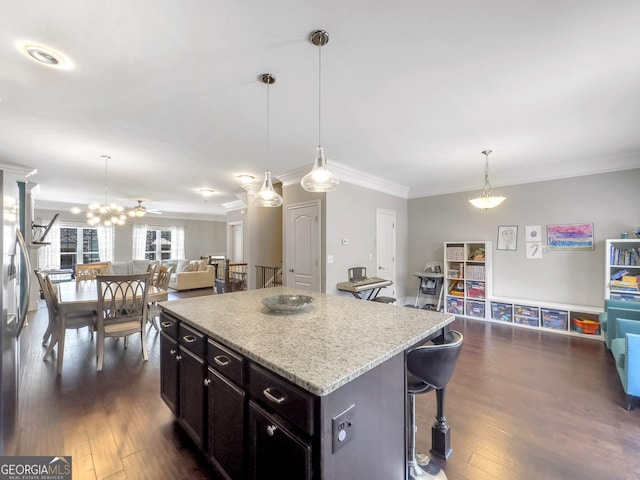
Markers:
point(189, 338)
point(166, 324)
point(277, 400)
point(221, 360)
point(271, 429)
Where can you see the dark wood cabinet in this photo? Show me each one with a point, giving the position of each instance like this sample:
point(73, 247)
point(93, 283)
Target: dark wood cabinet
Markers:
point(253, 424)
point(192, 396)
point(169, 390)
point(226, 420)
point(192, 385)
point(274, 451)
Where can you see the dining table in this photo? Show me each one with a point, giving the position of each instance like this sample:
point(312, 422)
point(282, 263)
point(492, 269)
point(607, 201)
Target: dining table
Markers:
point(82, 296)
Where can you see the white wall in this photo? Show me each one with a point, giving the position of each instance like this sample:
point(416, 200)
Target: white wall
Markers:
point(351, 214)
point(609, 201)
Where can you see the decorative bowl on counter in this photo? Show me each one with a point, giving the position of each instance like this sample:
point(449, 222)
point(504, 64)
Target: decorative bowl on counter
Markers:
point(287, 303)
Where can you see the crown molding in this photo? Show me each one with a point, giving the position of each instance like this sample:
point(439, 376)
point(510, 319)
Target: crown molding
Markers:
point(348, 175)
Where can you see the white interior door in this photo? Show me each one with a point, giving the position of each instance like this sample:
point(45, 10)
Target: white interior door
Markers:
point(386, 249)
point(302, 266)
point(236, 244)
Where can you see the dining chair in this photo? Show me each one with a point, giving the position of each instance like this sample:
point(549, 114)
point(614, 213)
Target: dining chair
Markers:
point(73, 320)
point(151, 268)
point(47, 334)
point(122, 309)
point(161, 282)
point(89, 271)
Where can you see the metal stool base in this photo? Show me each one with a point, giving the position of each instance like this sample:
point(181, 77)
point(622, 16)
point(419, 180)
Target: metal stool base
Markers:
point(427, 471)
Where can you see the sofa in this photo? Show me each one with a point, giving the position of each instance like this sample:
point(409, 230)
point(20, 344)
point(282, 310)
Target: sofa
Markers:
point(190, 274)
point(625, 349)
point(128, 268)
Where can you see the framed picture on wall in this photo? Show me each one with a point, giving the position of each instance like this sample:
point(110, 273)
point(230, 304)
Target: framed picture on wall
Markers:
point(507, 237)
point(575, 236)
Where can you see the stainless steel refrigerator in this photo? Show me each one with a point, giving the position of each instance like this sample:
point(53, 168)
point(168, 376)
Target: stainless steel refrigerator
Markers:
point(14, 301)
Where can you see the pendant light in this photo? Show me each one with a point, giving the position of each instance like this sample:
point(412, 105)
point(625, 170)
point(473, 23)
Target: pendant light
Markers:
point(267, 196)
point(487, 199)
point(319, 179)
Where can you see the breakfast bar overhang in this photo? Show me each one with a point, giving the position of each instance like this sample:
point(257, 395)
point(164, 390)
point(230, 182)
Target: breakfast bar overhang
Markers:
point(320, 393)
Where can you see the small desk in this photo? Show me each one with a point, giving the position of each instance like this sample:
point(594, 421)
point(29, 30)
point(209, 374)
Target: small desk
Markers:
point(82, 296)
point(357, 288)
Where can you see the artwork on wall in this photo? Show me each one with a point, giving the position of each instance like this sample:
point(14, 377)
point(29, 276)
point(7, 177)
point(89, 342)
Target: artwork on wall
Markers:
point(575, 236)
point(533, 233)
point(508, 237)
point(533, 237)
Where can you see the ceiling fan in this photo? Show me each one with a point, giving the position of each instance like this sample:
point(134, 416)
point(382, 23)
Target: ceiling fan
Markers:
point(140, 210)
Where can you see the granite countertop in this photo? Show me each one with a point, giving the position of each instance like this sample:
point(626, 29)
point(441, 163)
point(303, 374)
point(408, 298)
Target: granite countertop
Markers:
point(335, 340)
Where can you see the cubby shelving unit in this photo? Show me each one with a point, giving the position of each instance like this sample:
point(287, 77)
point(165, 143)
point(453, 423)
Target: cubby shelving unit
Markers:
point(468, 294)
point(467, 278)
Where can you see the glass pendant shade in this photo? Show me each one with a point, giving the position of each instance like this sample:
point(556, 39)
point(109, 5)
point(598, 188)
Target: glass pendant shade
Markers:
point(319, 179)
point(267, 196)
point(487, 202)
point(486, 199)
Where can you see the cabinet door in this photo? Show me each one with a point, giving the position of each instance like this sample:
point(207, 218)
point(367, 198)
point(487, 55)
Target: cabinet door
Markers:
point(274, 451)
point(226, 407)
point(192, 395)
point(169, 372)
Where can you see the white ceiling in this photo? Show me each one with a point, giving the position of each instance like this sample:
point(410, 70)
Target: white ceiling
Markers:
point(412, 91)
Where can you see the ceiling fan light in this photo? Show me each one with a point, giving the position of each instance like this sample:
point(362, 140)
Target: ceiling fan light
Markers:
point(75, 210)
point(319, 179)
point(267, 196)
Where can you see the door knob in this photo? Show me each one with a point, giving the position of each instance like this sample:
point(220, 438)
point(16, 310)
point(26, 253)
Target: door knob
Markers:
point(291, 270)
point(271, 429)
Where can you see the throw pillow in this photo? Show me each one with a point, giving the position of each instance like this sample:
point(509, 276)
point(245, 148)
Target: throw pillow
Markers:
point(183, 266)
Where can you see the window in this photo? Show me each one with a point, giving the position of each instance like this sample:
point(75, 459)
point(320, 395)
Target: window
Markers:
point(158, 245)
point(78, 245)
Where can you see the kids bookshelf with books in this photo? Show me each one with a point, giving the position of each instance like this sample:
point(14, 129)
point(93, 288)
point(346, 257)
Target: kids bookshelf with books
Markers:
point(622, 269)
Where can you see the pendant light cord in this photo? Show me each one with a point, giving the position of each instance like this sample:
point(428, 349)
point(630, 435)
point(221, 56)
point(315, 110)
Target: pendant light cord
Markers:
point(268, 131)
point(106, 184)
point(319, 94)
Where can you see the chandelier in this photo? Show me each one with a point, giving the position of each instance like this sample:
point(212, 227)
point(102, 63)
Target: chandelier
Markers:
point(486, 199)
point(106, 214)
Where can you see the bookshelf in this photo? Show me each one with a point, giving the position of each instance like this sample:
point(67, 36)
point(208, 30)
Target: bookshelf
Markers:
point(622, 268)
point(467, 278)
point(468, 294)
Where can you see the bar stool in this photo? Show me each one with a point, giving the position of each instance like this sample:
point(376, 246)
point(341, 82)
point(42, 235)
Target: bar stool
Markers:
point(430, 367)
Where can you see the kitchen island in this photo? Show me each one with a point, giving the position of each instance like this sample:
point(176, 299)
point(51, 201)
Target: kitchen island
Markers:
point(316, 394)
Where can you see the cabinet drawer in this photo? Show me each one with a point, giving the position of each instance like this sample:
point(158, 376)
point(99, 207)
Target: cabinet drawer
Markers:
point(282, 398)
point(192, 339)
point(169, 325)
point(225, 361)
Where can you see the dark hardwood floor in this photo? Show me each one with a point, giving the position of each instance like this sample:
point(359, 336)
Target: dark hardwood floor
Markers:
point(522, 405)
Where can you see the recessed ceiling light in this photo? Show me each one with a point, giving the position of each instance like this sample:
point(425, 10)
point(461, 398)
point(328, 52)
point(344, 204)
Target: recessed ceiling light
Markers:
point(207, 192)
point(44, 55)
